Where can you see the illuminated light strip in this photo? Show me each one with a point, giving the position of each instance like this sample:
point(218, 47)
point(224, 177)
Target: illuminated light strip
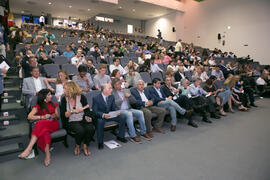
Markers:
point(172, 4)
point(110, 1)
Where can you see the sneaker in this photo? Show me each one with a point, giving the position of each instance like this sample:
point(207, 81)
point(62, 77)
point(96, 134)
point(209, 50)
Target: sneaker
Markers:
point(146, 137)
point(136, 140)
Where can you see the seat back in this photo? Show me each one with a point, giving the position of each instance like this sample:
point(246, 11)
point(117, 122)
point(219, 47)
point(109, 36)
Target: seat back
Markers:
point(90, 95)
point(71, 69)
point(146, 77)
point(157, 75)
point(61, 60)
point(51, 70)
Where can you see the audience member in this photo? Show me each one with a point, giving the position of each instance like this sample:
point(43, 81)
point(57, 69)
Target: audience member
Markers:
point(83, 79)
point(101, 78)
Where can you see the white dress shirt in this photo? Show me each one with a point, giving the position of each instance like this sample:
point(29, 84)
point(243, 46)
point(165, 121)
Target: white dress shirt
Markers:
point(155, 68)
point(38, 84)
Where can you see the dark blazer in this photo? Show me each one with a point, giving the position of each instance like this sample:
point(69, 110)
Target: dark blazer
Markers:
point(139, 103)
point(63, 109)
point(167, 91)
point(177, 76)
point(100, 107)
point(155, 97)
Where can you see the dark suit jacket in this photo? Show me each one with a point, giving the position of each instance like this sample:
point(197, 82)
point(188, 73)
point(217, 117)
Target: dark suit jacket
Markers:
point(177, 76)
point(100, 107)
point(167, 91)
point(155, 97)
point(139, 103)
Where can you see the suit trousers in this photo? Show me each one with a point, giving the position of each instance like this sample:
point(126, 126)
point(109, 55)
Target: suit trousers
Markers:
point(147, 112)
point(83, 130)
point(100, 127)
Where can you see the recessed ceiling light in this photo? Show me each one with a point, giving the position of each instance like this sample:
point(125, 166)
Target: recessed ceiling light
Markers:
point(22, 11)
point(70, 6)
point(229, 27)
point(49, 3)
point(133, 10)
point(120, 7)
point(88, 9)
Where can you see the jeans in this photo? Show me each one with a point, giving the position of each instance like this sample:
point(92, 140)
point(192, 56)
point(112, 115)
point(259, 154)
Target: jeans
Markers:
point(128, 115)
point(172, 107)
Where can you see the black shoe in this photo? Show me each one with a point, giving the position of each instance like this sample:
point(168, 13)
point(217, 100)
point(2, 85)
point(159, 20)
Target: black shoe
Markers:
point(248, 106)
point(122, 139)
point(192, 124)
point(214, 116)
point(100, 146)
point(252, 104)
point(205, 119)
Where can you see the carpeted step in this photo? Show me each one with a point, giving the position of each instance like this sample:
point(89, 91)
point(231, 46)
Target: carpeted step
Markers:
point(11, 107)
point(10, 152)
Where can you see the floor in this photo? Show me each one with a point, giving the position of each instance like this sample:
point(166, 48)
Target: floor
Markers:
point(236, 147)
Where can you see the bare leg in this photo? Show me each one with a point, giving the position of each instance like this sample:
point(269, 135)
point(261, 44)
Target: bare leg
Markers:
point(86, 151)
point(77, 150)
point(230, 104)
point(29, 148)
point(221, 107)
point(47, 159)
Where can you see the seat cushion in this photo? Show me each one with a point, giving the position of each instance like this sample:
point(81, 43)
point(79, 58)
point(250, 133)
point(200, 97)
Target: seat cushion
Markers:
point(59, 133)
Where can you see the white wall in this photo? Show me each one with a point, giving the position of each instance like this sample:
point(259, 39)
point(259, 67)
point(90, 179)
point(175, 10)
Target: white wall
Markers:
point(249, 21)
point(120, 24)
point(165, 24)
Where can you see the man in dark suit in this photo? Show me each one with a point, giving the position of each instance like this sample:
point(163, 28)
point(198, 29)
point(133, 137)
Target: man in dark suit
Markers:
point(145, 103)
point(160, 100)
point(171, 90)
point(102, 105)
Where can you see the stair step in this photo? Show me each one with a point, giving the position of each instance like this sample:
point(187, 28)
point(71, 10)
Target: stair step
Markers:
point(11, 148)
point(12, 77)
point(11, 106)
point(11, 152)
point(8, 118)
point(14, 88)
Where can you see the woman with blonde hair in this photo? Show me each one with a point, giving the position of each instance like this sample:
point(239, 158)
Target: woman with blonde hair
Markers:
point(76, 117)
point(61, 79)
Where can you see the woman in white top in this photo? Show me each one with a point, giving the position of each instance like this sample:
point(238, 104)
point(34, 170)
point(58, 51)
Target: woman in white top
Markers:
point(61, 79)
point(141, 59)
point(172, 66)
point(200, 73)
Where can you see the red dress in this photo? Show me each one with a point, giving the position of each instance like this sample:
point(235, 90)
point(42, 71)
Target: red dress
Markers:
point(43, 128)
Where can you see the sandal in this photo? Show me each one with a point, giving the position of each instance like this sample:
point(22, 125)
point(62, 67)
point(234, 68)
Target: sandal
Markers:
point(86, 151)
point(77, 151)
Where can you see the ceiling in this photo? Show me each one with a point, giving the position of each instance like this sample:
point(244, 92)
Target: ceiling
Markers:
point(85, 9)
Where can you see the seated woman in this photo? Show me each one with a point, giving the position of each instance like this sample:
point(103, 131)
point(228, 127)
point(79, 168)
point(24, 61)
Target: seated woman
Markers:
point(131, 64)
point(230, 82)
point(77, 117)
point(45, 114)
point(47, 41)
point(200, 73)
point(220, 96)
point(61, 79)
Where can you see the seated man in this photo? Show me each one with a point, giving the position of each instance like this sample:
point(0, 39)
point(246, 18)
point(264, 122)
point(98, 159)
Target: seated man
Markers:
point(68, 53)
point(32, 85)
point(116, 65)
point(83, 79)
point(196, 90)
point(132, 77)
point(101, 78)
point(43, 59)
point(171, 91)
point(102, 105)
point(160, 100)
point(55, 52)
point(218, 73)
point(146, 105)
point(79, 59)
point(91, 69)
point(28, 63)
point(124, 100)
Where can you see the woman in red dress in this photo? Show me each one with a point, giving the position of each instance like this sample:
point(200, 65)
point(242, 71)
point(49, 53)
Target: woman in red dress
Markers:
point(46, 114)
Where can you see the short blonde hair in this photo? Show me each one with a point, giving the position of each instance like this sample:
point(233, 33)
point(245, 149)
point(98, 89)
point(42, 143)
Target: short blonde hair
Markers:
point(72, 89)
point(58, 80)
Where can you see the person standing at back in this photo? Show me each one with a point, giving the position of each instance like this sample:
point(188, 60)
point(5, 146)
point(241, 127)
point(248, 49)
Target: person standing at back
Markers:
point(42, 20)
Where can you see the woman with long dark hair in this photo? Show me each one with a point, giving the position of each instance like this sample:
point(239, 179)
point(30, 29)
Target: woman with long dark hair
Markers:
point(45, 114)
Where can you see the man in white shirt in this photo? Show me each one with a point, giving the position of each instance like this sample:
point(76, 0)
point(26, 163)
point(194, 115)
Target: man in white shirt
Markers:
point(155, 67)
point(78, 59)
point(146, 105)
point(116, 65)
point(42, 20)
point(178, 47)
point(32, 85)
